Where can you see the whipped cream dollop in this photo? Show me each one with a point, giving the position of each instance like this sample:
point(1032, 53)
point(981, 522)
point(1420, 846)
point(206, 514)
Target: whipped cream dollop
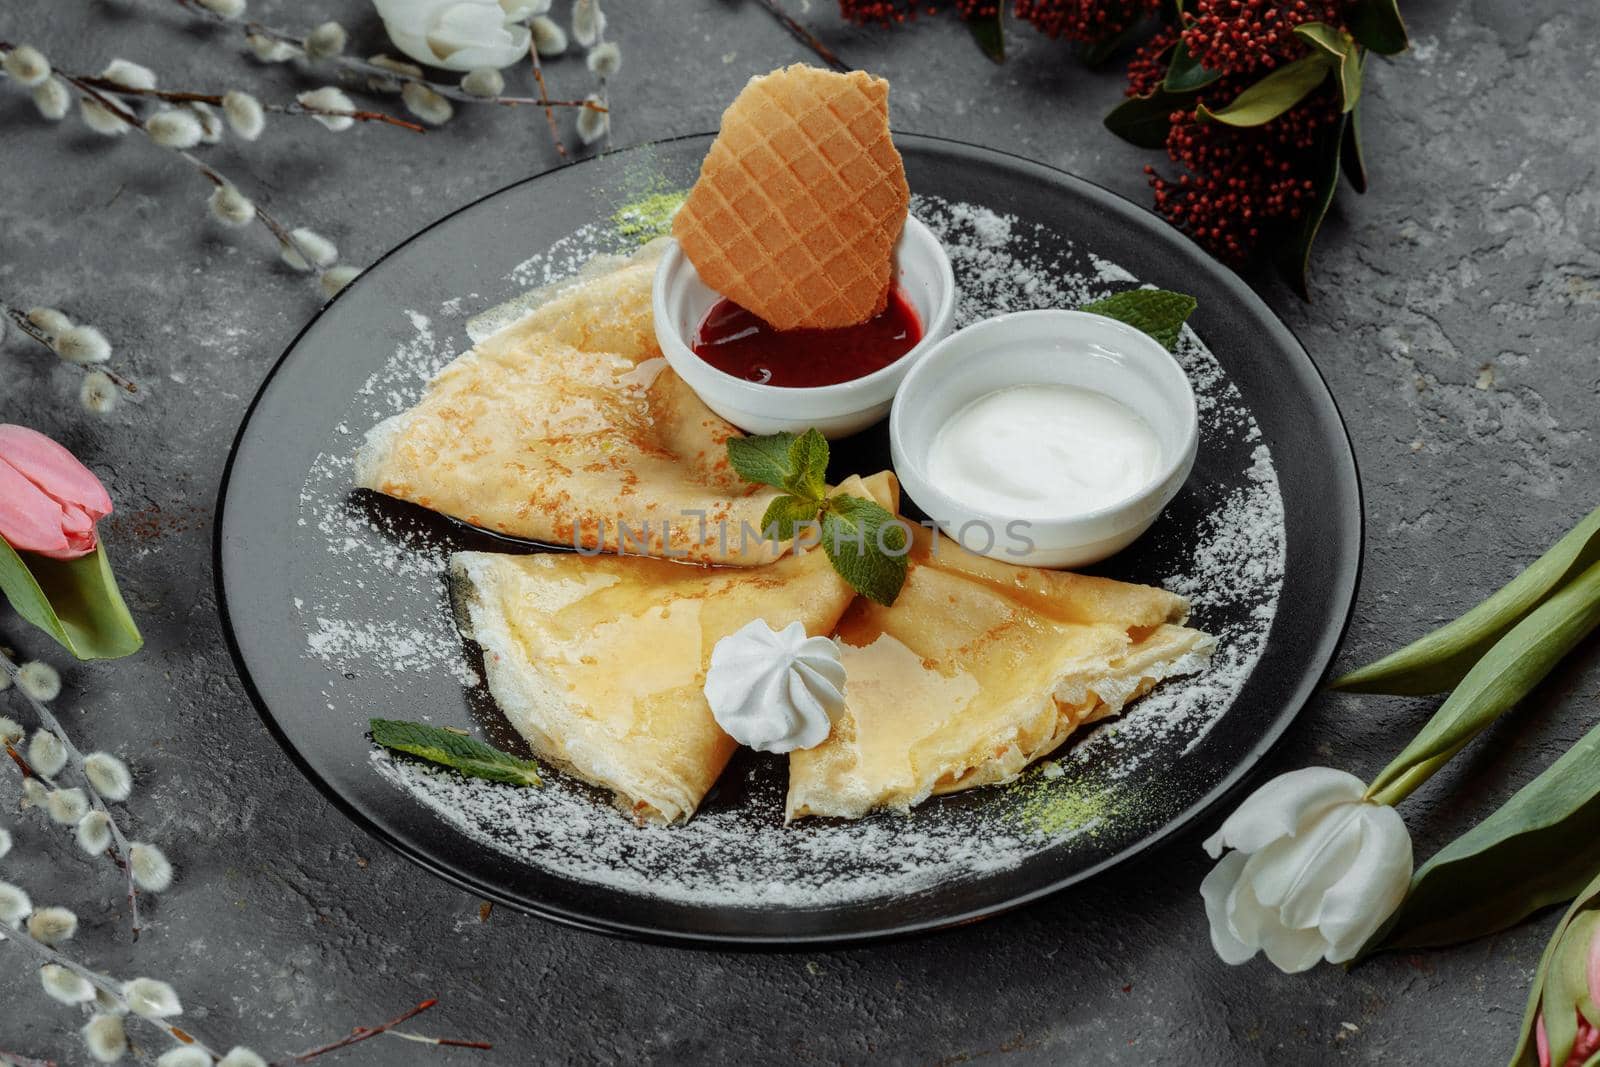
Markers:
point(775, 690)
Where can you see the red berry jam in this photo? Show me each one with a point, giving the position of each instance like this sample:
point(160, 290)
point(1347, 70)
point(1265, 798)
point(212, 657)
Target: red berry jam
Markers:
point(736, 342)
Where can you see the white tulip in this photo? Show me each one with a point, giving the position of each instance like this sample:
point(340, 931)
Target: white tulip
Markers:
point(459, 35)
point(1314, 872)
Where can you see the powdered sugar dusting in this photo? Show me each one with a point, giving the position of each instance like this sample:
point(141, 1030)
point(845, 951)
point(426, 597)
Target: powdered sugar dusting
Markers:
point(1224, 552)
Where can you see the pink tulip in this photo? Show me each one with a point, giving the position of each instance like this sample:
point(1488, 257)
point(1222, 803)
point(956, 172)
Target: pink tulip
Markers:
point(49, 502)
point(1588, 1042)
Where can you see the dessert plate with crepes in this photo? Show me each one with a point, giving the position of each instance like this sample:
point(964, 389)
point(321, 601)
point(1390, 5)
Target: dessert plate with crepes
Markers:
point(398, 522)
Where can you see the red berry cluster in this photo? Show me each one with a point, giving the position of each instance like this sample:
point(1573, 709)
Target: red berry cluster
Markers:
point(890, 12)
point(1148, 67)
point(1242, 184)
point(1084, 20)
point(1240, 36)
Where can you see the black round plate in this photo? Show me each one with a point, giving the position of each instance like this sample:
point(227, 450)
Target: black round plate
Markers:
point(266, 559)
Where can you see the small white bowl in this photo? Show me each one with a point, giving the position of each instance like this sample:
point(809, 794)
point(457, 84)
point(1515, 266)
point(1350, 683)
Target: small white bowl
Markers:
point(1045, 348)
point(681, 301)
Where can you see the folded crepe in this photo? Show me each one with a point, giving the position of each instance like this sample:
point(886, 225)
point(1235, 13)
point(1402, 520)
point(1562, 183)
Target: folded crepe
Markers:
point(568, 427)
point(600, 662)
point(978, 669)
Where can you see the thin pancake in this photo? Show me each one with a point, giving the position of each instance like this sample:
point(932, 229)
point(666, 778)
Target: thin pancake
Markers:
point(600, 662)
point(568, 427)
point(978, 669)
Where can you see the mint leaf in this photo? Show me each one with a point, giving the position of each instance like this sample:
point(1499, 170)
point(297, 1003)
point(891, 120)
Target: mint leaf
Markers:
point(866, 545)
point(1157, 312)
point(808, 456)
point(461, 753)
point(787, 514)
point(763, 460)
point(797, 465)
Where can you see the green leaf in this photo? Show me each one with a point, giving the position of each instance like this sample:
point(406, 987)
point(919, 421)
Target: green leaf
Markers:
point(1097, 52)
point(866, 545)
point(1539, 848)
point(1145, 120)
point(763, 460)
point(1295, 257)
point(1377, 25)
point(1342, 51)
point(1438, 661)
point(1158, 312)
point(1526, 1055)
point(797, 465)
point(1498, 681)
point(1350, 73)
point(75, 601)
point(1351, 157)
point(989, 32)
point(808, 458)
point(1273, 94)
point(1185, 74)
point(788, 514)
point(459, 752)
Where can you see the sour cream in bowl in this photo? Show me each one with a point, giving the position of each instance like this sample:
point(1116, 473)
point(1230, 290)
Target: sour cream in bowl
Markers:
point(1046, 438)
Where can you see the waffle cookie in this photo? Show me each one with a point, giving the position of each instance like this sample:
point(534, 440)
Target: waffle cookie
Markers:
point(800, 200)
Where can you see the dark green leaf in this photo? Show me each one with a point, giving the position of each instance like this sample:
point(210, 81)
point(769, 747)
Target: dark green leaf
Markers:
point(459, 752)
point(1351, 157)
point(1540, 847)
point(764, 460)
point(1350, 73)
point(1295, 259)
point(75, 601)
point(785, 515)
point(1326, 38)
point(1505, 674)
point(1185, 74)
point(1273, 94)
point(1145, 120)
point(1097, 52)
point(1342, 51)
point(866, 545)
point(1158, 312)
point(808, 459)
point(1437, 662)
point(1526, 1055)
point(1377, 25)
point(989, 32)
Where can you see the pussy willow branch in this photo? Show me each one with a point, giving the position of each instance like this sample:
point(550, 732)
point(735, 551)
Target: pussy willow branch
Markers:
point(605, 93)
point(806, 37)
point(119, 851)
point(549, 112)
point(119, 109)
point(176, 96)
point(20, 1060)
point(361, 66)
point(105, 984)
point(25, 326)
point(114, 989)
point(356, 1036)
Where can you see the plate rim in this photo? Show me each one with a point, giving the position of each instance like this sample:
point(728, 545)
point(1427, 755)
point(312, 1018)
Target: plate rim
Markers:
point(1325, 648)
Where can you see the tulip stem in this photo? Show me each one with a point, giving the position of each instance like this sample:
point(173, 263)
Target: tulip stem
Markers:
point(1409, 782)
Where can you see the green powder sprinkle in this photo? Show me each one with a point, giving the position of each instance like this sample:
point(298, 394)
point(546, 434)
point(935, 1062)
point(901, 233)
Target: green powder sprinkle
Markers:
point(647, 218)
point(1051, 805)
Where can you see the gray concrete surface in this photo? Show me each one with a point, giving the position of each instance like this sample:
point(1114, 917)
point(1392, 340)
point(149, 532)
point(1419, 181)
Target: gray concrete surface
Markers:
point(1456, 315)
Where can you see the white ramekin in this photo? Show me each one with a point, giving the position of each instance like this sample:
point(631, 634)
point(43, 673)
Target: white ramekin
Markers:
point(681, 301)
point(1045, 348)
